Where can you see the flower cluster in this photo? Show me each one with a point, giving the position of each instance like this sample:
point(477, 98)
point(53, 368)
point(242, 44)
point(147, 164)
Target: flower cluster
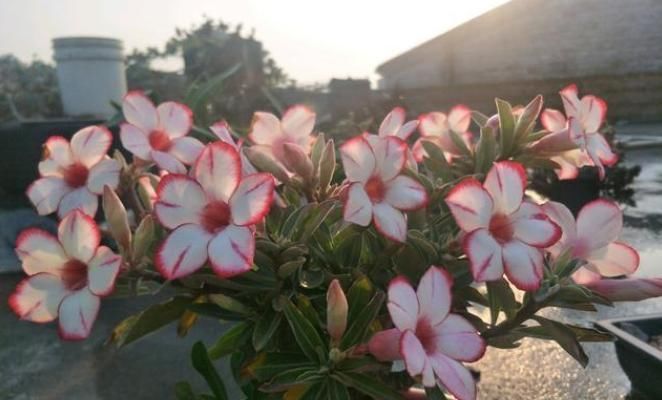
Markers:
point(392, 246)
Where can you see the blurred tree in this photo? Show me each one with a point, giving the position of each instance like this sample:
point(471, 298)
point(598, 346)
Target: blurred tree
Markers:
point(27, 90)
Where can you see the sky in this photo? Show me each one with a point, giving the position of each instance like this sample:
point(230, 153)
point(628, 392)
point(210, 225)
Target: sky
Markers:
point(313, 41)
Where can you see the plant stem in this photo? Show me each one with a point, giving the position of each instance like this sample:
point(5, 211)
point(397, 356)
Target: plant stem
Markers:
point(526, 312)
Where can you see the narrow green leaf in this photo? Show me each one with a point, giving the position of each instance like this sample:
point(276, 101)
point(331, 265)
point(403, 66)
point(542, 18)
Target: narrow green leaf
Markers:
point(265, 328)
point(231, 340)
point(229, 303)
point(436, 161)
point(367, 385)
point(434, 393)
point(479, 118)
point(184, 391)
point(289, 378)
point(327, 165)
point(506, 127)
point(305, 333)
point(153, 318)
point(205, 367)
point(501, 298)
point(485, 150)
point(358, 296)
point(358, 329)
point(317, 216)
point(460, 144)
point(272, 364)
point(336, 390)
point(527, 120)
point(565, 337)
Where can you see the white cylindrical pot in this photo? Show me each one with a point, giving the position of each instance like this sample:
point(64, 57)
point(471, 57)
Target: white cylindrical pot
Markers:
point(90, 74)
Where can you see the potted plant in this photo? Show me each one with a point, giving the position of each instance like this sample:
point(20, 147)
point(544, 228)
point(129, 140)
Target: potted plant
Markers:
point(355, 276)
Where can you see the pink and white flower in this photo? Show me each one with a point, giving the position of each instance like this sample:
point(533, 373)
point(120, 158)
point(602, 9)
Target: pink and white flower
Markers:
point(394, 125)
point(67, 275)
point(73, 174)
point(577, 138)
point(212, 215)
point(432, 341)
point(222, 130)
point(158, 134)
point(377, 191)
point(593, 237)
point(503, 232)
point(437, 127)
point(271, 134)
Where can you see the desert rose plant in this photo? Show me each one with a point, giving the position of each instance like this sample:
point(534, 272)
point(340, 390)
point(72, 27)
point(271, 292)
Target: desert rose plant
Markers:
point(380, 268)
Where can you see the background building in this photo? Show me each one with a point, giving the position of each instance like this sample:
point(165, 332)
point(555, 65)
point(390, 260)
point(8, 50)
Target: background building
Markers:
point(610, 47)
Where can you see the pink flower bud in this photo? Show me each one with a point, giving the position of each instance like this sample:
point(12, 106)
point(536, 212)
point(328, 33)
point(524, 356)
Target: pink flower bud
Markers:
point(415, 394)
point(627, 289)
point(336, 310)
point(117, 218)
point(296, 160)
point(385, 345)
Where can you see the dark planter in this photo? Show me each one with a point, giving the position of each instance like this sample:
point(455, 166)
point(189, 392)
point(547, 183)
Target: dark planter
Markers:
point(641, 362)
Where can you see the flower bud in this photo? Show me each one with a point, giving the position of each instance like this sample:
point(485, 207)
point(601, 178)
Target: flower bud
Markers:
point(627, 289)
point(336, 310)
point(296, 160)
point(118, 221)
point(146, 191)
point(266, 163)
point(385, 345)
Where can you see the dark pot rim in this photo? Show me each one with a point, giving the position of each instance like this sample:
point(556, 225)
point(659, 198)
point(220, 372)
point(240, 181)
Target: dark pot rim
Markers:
point(611, 326)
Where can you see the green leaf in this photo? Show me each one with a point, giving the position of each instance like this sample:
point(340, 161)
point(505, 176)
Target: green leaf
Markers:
point(501, 298)
point(358, 296)
point(153, 318)
point(317, 215)
point(358, 329)
point(205, 367)
point(485, 150)
point(336, 390)
point(143, 238)
point(184, 391)
point(269, 365)
point(527, 120)
point(565, 337)
point(582, 334)
point(367, 385)
point(229, 303)
point(305, 333)
point(213, 311)
point(479, 118)
point(436, 161)
point(265, 328)
point(506, 127)
point(291, 377)
point(231, 340)
point(327, 165)
point(459, 143)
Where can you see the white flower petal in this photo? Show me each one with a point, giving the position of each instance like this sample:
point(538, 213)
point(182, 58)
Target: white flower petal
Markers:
point(79, 236)
point(231, 251)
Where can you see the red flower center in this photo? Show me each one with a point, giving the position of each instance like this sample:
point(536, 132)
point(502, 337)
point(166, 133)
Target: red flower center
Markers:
point(75, 175)
point(376, 189)
point(74, 274)
point(426, 335)
point(159, 140)
point(501, 228)
point(216, 215)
